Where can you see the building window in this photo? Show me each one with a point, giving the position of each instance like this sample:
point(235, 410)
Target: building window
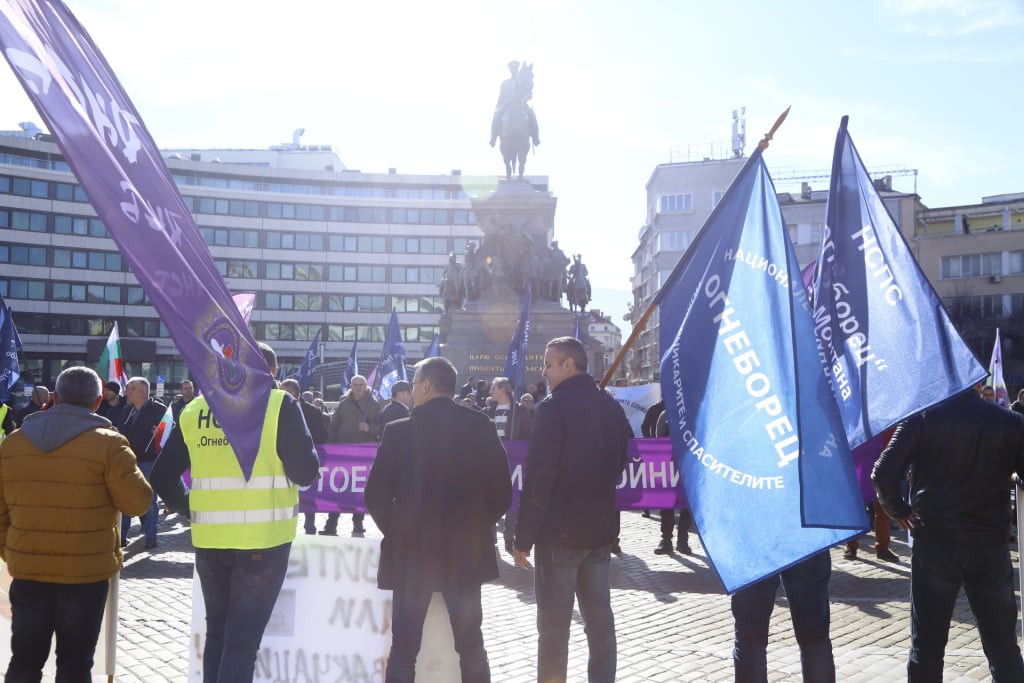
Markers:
point(716, 197)
point(678, 203)
point(967, 307)
point(673, 240)
point(27, 220)
point(22, 256)
point(1016, 262)
point(972, 265)
point(417, 304)
point(416, 274)
point(23, 289)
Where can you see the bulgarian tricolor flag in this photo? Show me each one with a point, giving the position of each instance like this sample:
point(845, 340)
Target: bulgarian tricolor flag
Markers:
point(111, 367)
point(163, 429)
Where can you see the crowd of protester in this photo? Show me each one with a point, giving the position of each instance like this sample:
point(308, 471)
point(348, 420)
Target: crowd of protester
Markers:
point(551, 520)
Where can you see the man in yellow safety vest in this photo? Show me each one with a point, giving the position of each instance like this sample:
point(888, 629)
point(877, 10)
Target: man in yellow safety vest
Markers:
point(242, 530)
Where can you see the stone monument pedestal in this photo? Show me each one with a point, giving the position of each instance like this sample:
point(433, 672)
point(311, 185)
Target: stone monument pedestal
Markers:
point(518, 225)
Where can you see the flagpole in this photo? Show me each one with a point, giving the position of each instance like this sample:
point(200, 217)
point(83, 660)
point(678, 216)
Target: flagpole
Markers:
point(1020, 540)
point(639, 326)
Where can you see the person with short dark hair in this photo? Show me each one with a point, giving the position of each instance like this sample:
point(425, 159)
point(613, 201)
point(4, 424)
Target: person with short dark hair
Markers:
point(398, 407)
point(38, 400)
point(114, 406)
point(577, 453)
point(961, 455)
point(439, 483)
point(188, 392)
point(65, 477)
point(241, 559)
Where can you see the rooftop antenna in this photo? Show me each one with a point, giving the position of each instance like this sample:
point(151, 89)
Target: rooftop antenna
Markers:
point(739, 132)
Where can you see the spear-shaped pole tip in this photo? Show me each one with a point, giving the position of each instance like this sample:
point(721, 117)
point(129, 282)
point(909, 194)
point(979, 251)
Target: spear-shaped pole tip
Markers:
point(763, 145)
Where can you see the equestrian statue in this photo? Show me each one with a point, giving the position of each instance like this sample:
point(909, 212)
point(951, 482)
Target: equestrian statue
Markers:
point(514, 120)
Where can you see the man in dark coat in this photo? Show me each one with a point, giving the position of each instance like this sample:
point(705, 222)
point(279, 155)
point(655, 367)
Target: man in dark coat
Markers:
point(437, 486)
point(401, 401)
point(140, 419)
point(961, 455)
point(567, 510)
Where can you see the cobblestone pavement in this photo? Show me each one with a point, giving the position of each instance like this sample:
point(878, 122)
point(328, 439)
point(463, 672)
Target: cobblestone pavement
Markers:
point(672, 618)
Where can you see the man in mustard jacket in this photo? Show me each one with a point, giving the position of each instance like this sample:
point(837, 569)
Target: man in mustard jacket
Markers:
point(65, 478)
point(242, 529)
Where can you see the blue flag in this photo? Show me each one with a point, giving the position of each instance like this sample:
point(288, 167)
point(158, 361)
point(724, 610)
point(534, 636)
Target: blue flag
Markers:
point(392, 359)
point(9, 344)
point(515, 361)
point(755, 435)
point(435, 348)
point(888, 342)
point(309, 363)
point(351, 368)
point(577, 333)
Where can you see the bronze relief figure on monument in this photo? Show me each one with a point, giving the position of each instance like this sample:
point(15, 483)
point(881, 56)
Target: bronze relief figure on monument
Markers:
point(483, 290)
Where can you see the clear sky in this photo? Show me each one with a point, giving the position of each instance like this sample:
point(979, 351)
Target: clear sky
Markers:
point(932, 85)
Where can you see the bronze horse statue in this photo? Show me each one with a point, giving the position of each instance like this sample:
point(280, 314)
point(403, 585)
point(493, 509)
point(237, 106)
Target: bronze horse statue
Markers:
point(576, 294)
point(518, 125)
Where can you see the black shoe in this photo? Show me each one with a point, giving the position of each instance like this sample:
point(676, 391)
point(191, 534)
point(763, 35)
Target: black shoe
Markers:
point(683, 547)
point(850, 554)
point(329, 532)
point(616, 548)
point(150, 543)
point(357, 530)
point(887, 555)
point(664, 548)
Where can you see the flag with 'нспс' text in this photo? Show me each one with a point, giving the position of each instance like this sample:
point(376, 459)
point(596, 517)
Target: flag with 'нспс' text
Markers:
point(755, 431)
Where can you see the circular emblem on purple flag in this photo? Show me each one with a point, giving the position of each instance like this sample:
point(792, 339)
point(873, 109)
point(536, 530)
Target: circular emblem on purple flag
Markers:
point(224, 340)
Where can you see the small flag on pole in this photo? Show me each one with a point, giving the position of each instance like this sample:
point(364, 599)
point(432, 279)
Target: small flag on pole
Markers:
point(995, 374)
point(9, 343)
point(392, 360)
point(309, 363)
point(351, 368)
point(163, 429)
point(515, 360)
point(435, 348)
point(111, 366)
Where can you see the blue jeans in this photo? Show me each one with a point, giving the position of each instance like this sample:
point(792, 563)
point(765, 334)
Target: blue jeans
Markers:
point(937, 571)
point(806, 587)
point(240, 588)
point(563, 574)
point(409, 608)
point(74, 611)
point(150, 519)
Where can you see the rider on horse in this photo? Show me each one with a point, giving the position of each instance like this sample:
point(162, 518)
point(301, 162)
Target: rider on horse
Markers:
point(514, 120)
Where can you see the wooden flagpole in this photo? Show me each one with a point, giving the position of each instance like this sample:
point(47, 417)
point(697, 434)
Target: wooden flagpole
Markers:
point(639, 326)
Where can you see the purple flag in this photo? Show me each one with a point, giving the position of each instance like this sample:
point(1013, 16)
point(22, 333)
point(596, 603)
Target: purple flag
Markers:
point(119, 167)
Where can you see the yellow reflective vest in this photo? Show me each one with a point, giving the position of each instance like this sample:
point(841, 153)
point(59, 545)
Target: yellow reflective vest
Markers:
point(226, 510)
point(3, 416)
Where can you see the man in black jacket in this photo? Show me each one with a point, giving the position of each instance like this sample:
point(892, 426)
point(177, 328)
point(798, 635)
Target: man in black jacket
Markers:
point(141, 416)
point(576, 454)
point(961, 455)
point(437, 486)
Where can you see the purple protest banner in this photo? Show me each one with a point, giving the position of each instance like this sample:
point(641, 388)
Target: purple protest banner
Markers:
point(119, 167)
point(650, 481)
